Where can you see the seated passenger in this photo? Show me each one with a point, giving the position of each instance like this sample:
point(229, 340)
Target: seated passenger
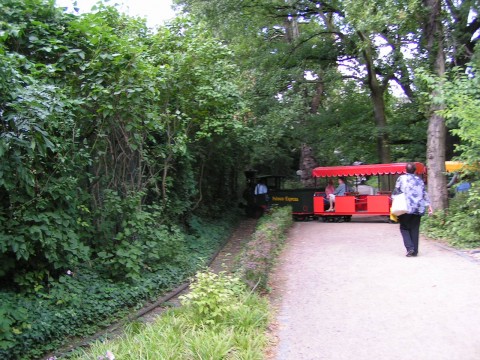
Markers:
point(330, 189)
point(339, 191)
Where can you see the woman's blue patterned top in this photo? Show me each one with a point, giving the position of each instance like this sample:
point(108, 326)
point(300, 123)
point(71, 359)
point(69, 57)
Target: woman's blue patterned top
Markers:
point(414, 189)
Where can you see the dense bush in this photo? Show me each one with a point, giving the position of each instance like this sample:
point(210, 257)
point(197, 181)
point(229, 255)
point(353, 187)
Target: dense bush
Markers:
point(107, 139)
point(212, 297)
point(115, 143)
point(82, 300)
point(460, 224)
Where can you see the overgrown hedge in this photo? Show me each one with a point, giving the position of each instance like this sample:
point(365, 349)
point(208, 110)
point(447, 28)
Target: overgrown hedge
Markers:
point(111, 135)
point(260, 253)
point(83, 301)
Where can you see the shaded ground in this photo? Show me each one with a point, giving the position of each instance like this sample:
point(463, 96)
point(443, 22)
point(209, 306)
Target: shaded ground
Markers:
point(347, 291)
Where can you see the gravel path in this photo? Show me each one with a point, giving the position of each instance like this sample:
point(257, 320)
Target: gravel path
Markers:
point(347, 291)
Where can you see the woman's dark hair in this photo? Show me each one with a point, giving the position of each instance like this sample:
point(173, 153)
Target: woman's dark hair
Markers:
point(411, 168)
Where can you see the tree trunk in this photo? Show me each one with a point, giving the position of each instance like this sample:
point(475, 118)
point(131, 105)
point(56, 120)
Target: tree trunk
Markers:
point(307, 164)
point(437, 182)
point(292, 32)
point(317, 97)
point(377, 91)
point(307, 160)
point(436, 136)
point(383, 147)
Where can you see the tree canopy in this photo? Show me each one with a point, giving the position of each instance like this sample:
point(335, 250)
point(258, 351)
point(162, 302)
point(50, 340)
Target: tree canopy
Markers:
point(323, 58)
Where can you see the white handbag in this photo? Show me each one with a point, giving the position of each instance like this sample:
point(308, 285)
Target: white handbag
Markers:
point(399, 204)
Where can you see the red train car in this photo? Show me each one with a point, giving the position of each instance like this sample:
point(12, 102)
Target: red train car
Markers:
point(377, 203)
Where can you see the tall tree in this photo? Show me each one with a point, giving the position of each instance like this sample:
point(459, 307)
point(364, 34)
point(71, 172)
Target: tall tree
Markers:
point(330, 33)
point(436, 139)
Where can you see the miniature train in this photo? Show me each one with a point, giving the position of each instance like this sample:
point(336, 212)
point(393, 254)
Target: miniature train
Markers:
point(310, 203)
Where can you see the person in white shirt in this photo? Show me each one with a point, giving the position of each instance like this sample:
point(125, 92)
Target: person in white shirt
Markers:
point(261, 188)
point(261, 194)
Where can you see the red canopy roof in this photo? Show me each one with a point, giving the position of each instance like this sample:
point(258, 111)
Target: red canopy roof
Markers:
point(361, 170)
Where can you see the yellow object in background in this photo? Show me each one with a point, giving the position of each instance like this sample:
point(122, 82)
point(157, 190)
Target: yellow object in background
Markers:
point(393, 217)
point(452, 166)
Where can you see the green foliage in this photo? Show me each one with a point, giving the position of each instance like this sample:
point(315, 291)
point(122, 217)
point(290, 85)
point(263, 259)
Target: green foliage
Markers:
point(212, 296)
point(82, 300)
point(204, 233)
point(107, 139)
point(106, 130)
point(459, 91)
point(335, 119)
point(460, 225)
point(461, 95)
point(280, 42)
point(41, 224)
point(408, 127)
point(13, 321)
point(142, 242)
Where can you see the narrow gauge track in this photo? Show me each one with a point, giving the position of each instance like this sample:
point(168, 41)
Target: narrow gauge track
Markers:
point(222, 260)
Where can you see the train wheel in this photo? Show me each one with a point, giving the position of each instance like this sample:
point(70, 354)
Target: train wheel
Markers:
point(347, 218)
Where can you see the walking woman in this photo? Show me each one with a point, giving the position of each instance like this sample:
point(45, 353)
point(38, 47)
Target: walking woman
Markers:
point(417, 202)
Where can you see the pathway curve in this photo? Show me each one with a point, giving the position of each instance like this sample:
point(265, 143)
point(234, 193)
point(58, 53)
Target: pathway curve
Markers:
point(347, 291)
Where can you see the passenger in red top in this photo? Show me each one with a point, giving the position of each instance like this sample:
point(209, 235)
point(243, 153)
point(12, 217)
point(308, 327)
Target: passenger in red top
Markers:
point(330, 189)
point(340, 191)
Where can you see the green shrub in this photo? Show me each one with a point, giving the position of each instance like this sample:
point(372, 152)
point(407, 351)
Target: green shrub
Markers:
point(212, 296)
point(460, 224)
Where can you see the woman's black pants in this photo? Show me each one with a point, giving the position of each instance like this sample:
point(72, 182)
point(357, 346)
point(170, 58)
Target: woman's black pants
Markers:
point(410, 230)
